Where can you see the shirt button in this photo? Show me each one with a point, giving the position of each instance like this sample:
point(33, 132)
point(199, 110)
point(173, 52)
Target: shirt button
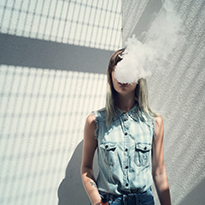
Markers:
point(126, 184)
point(126, 167)
point(126, 150)
point(125, 133)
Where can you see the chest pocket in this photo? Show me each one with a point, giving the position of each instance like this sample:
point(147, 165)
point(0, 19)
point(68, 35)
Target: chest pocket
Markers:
point(108, 151)
point(142, 153)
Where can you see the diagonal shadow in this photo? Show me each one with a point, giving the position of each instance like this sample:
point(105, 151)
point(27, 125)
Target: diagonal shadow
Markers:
point(196, 196)
point(148, 15)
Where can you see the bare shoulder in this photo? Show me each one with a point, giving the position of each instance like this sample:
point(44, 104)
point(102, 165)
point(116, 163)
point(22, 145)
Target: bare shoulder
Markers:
point(159, 126)
point(90, 124)
point(158, 121)
point(90, 120)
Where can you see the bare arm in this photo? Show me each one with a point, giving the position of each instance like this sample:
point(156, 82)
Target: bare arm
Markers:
point(158, 167)
point(89, 147)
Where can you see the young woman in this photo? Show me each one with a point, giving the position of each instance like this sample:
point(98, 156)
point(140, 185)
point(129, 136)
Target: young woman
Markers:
point(129, 139)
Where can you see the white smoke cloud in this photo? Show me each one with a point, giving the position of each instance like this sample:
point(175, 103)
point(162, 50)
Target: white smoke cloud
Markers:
point(141, 58)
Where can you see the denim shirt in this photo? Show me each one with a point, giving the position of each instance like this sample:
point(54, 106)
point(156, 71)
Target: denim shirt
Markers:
point(124, 151)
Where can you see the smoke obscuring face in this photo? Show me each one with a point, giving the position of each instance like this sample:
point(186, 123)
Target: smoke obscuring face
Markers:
point(141, 58)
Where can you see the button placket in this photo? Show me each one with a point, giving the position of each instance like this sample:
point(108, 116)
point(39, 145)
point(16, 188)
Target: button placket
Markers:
point(126, 155)
point(126, 122)
point(126, 125)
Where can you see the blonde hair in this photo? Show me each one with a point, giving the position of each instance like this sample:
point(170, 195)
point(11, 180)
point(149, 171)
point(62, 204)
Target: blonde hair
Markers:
point(141, 91)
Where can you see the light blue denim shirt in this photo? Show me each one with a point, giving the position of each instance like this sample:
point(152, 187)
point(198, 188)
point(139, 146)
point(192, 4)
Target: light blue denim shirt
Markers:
point(124, 151)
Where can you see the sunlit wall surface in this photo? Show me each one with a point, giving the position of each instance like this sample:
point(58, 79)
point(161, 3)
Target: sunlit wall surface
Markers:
point(87, 23)
point(43, 106)
point(42, 116)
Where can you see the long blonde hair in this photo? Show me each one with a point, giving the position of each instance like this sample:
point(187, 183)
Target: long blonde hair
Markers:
point(141, 91)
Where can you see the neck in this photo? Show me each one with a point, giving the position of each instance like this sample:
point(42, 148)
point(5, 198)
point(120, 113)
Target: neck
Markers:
point(125, 103)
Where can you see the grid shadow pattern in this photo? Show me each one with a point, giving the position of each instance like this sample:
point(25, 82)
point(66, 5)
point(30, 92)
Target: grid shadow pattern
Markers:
point(48, 86)
point(42, 115)
point(89, 23)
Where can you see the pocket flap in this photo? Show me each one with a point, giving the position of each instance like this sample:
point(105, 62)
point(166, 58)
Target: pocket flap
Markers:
point(143, 146)
point(109, 145)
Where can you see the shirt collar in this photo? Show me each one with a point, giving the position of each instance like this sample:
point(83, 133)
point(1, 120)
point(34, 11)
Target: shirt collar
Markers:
point(132, 112)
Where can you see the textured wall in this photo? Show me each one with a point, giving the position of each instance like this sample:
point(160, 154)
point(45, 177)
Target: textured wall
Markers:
point(178, 92)
point(42, 117)
point(53, 60)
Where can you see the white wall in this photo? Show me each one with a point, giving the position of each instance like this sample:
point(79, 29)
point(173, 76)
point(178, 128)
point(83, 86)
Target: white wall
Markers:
point(53, 60)
point(178, 92)
point(43, 113)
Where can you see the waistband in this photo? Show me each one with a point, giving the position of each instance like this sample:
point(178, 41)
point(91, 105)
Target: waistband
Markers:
point(105, 197)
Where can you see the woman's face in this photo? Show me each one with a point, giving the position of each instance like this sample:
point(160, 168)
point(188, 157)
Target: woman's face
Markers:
point(122, 88)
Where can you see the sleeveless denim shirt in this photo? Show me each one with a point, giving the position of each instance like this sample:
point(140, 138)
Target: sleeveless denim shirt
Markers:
point(124, 151)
